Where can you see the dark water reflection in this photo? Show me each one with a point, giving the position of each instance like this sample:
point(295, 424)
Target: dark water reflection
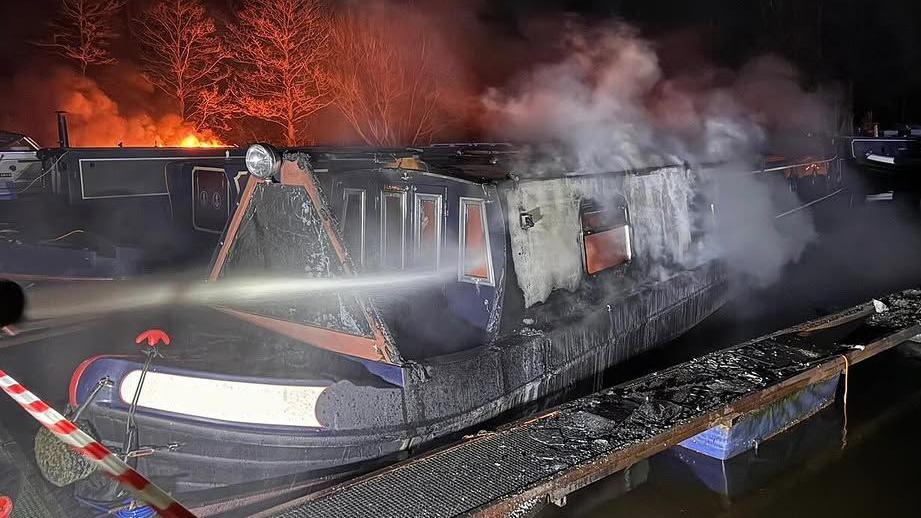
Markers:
point(870, 467)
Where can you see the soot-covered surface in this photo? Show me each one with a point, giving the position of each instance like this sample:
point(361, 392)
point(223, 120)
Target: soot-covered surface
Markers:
point(282, 234)
point(452, 481)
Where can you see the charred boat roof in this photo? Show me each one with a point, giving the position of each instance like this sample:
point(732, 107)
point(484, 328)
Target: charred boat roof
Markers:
point(477, 162)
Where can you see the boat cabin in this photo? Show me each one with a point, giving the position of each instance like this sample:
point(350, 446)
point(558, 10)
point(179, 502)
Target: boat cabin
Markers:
point(98, 213)
point(439, 238)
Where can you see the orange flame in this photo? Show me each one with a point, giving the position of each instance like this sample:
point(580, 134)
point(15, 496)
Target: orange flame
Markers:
point(193, 140)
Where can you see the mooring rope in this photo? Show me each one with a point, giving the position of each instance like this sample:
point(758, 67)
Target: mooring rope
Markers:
point(844, 402)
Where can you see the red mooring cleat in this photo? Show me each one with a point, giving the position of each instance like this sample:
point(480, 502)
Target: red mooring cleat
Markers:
point(153, 337)
point(6, 507)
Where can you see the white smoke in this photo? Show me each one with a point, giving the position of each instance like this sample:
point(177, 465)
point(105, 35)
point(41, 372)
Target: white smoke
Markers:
point(608, 102)
point(610, 106)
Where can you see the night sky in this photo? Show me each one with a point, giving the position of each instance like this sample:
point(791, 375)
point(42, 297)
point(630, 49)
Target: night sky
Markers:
point(870, 51)
point(870, 48)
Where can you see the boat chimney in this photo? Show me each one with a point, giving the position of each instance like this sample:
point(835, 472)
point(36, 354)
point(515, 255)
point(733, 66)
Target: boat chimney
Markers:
point(63, 137)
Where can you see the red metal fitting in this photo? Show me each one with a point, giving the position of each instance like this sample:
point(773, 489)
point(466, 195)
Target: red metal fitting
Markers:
point(6, 507)
point(153, 337)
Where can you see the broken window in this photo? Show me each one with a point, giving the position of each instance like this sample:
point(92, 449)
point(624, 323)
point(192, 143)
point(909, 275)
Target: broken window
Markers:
point(605, 235)
point(475, 260)
point(427, 230)
point(352, 224)
point(393, 229)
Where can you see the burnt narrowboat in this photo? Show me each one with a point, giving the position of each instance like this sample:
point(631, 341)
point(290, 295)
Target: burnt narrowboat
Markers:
point(505, 282)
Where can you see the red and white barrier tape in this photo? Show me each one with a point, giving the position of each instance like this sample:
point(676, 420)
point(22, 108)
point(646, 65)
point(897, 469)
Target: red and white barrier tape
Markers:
point(105, 460)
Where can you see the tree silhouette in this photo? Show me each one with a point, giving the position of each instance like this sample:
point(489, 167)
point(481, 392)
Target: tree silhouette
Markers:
point(184, 56)
point(281, 47)
point(213, 108)
point(385, 87)
point(83, 31)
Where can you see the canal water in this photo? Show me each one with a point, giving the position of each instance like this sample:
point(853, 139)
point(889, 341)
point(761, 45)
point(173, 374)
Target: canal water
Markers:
point(858, 459)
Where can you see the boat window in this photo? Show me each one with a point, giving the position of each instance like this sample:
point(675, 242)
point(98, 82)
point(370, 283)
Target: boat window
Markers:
point(605, 235)
point(427, 230)
point(105, 178)
point(352, 223)
point(475, 260)
point(393, 238)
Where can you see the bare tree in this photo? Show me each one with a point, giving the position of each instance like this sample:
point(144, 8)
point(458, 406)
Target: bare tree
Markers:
point(213, 108)
point(83, 31)
point(282, 46)
point(386, 88)
point(183, 55)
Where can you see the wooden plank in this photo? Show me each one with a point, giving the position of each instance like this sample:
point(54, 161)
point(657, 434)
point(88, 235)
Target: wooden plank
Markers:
point(836, 320)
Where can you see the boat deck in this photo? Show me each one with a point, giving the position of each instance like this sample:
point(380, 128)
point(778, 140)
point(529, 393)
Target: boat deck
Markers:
point(517, 469)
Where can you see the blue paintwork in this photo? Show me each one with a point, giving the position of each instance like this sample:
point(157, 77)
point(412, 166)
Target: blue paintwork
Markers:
point(392, 374)
point(725, 442)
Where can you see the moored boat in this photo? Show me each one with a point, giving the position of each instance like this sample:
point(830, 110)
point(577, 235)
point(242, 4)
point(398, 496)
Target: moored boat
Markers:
point(884, 168)
point(402, 295)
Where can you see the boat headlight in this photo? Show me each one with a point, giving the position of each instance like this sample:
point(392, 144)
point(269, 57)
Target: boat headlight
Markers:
point(231, 401)
point(262, 160)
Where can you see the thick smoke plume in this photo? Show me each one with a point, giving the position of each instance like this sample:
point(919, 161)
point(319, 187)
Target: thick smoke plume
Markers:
point(610, 105)
point(95, 116)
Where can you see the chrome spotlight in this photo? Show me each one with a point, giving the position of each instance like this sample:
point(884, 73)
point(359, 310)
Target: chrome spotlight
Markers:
point(262, 160)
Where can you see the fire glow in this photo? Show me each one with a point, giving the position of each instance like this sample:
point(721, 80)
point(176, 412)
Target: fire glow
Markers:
point(195, 140)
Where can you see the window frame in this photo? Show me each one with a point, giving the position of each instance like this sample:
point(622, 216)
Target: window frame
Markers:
point(127, 193)
point(383, 248)
point(363, 196)
point(628, 237)
point(418, 199)
point(195, 198)
point(463, 203)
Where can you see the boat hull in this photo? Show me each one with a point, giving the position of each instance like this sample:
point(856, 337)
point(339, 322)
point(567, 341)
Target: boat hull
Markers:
point(441, 396)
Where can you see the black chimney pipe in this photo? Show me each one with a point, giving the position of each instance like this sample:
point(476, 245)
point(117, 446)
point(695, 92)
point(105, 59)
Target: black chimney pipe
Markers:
point(63, 137)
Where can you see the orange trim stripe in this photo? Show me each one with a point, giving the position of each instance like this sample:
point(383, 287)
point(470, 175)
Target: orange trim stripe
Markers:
point(233, 226)
point(335, 341)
